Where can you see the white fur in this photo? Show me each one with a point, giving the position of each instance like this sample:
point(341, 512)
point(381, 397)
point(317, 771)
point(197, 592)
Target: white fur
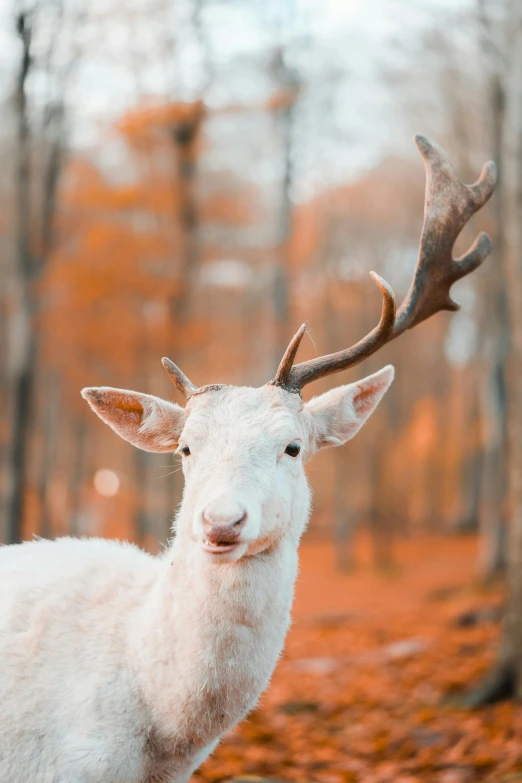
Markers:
point(120, 667)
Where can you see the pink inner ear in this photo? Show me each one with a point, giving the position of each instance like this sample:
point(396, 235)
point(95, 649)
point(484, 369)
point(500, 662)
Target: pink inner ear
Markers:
point(363, 399)
point(115, 408)
point(132, 408)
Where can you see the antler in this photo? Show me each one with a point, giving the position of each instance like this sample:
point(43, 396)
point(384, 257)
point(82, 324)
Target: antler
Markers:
point(448, 206)
point(178, 378)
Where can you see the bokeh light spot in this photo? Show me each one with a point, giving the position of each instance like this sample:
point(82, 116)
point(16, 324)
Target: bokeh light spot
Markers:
point(106, 482)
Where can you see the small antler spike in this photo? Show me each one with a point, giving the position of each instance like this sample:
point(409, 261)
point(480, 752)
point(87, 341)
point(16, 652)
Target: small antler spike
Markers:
point(484, 186)
point(178, 378)
point(475, 256)
point(285, 367)
point(425, 146)
point(388, 299)
point(450, 305)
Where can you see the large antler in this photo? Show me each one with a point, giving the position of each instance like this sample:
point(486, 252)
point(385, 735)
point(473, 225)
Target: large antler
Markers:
point(448, 206)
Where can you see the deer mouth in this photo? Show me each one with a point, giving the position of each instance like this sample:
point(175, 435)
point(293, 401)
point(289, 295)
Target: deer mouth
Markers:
point(218, 547)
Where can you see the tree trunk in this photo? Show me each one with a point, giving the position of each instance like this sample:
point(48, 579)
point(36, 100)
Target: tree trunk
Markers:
point(50, 403)
point(505, 677)
point(494, 479)
point(473, 466)
point(77, 476)
point(23, 391)
point(287, 82)
point(512, 641)
point(29, 264)
point(24, 381)
point(185, 134)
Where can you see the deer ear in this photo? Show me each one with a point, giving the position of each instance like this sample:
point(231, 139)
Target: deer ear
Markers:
point(340, 413)
point(145, 421)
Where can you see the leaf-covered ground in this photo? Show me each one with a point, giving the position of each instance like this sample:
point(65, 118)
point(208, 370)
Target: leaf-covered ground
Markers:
point(364, 689)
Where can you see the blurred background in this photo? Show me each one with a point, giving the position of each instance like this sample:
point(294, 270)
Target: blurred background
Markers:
point(196, 178)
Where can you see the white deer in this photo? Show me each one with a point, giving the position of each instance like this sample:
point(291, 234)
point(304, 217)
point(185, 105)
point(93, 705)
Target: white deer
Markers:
point(120, 667)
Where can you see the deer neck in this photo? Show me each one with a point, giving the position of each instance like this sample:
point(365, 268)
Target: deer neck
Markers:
point(215, 632)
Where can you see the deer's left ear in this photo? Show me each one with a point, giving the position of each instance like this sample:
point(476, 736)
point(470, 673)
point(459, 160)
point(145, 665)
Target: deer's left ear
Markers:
point(340, 413)
point(145, 421)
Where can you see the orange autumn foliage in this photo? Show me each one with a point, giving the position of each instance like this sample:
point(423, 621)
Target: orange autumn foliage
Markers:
point(363, 693)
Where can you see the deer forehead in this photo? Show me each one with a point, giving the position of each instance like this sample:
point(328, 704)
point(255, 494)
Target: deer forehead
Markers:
point(245, 414)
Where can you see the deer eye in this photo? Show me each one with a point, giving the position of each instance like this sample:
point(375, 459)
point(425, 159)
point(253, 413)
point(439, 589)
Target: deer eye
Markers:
point(293, 449)
point(185, 451)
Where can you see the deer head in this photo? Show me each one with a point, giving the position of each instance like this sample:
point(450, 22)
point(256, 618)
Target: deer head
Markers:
point(243, 449)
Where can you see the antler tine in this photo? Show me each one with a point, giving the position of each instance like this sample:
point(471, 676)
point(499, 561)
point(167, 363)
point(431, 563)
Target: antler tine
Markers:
point(306, 372)
point(282, 375)
point(448, 206)
point(178, 378)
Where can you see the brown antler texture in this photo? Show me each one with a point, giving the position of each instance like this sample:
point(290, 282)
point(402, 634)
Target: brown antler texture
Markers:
point(178, 378)
point(448, 206)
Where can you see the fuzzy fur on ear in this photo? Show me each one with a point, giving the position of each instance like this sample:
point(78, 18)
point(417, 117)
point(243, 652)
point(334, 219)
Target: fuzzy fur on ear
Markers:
point(145, 421)
point(340, 413)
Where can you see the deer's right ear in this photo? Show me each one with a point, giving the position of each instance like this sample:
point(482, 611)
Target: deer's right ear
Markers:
point(338, 414)
point(145, 421)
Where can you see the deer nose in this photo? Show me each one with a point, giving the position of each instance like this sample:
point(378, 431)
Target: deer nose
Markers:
point(223, 522)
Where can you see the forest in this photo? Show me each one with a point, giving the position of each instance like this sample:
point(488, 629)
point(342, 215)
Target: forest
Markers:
point(195, 179)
